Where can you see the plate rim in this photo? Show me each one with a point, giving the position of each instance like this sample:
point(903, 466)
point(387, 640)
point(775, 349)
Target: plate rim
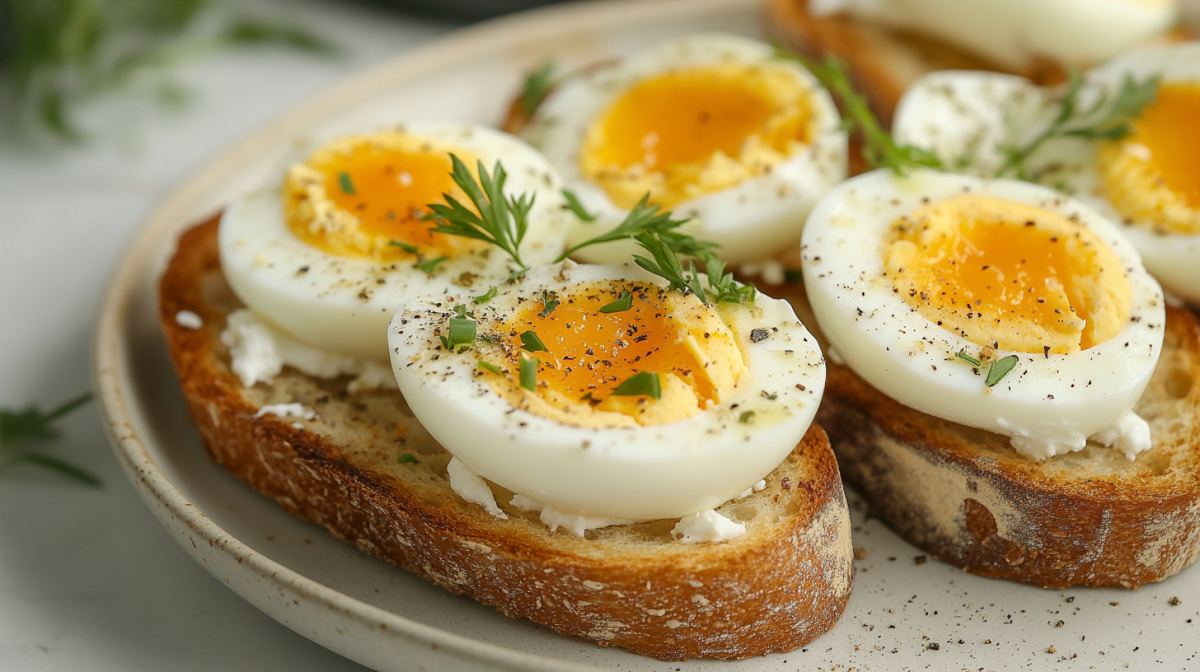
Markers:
point(112, 365)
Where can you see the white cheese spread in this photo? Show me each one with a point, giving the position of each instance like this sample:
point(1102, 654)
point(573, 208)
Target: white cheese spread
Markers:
point(554, 519)
point(296, 410)
point(707, 526)
point(471, 487)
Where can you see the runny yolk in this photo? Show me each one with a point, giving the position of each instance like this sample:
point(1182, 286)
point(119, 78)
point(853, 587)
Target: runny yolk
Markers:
point(591, 352)
point(388, 191)
point(683, 118)
point(1170, 128)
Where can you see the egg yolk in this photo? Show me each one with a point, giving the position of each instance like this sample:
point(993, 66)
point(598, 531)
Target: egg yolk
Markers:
point(693, 131)
point(1007, 274)
point(1152, 177)
point(590, 353)
point(364, 197)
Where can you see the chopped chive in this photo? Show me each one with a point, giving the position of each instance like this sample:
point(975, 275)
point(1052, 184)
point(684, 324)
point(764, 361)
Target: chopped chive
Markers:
point(488, 366)
point(586, 397)
point(347, 185)
point(462, 330)
point(486, 296)
point(549, 303)
point(622, 304)
point(428, 265)
point(532, 343)
point(746, 418)
point(411, 249)
point(529, 367)
point(577, 207)
point(964, 356)
point(646, 383)
point(406, 458)
point(999, 369)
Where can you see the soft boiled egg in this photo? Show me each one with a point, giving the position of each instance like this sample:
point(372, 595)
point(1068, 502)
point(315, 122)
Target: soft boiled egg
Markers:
point(332, 253)
point(924, 283)
point(600, 392)
point(1014, 33)
point(1149, 181)
point(715, 127)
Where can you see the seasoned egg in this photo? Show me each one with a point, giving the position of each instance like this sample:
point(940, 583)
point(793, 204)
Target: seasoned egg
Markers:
point(598, 391)
point(712, 126)
point(1149, 181)
point(930, 286)
point(331, 253)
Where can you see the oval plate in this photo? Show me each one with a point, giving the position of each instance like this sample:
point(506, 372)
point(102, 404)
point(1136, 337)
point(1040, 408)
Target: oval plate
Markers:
point(904, 612)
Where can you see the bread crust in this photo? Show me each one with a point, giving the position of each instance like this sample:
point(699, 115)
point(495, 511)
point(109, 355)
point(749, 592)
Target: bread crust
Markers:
point(776, 588)
point(966, 498)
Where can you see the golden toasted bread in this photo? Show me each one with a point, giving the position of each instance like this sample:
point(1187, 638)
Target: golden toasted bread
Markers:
point(775, 588)
point(966, 497)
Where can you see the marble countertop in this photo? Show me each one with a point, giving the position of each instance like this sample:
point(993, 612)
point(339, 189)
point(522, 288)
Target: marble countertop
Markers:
point(89, 580)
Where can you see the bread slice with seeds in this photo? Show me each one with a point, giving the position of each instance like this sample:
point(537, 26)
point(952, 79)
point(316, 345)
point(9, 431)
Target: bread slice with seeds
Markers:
point(775, 588)
point(1089, 518)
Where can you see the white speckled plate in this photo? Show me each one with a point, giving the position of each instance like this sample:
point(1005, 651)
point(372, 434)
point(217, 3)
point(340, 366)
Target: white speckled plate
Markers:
point(905, 613)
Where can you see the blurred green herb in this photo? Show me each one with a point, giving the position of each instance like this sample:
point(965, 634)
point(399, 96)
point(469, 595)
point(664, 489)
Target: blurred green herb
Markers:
point(18, 427)
point(58, 54)
point(999, 369)
point(642, 383)
point(538, 83)
point(576, 206)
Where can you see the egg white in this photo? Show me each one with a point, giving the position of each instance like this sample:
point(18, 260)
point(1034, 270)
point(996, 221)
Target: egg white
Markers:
point(639, 473)
point(965, 117)
point(752, 220)
point(343, 305)
point(1049, 403)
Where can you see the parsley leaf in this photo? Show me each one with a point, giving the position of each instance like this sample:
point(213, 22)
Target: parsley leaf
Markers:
point(428, 266)
point(345, 183)
point(501, 221)
point(406, 458)
point(999, 369)
point(577, 207)
point(646, 383)
point(19, 426)
point(532, 343)
point(622, 304)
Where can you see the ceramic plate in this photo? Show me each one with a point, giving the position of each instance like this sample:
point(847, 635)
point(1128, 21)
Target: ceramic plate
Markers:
point(905, 613)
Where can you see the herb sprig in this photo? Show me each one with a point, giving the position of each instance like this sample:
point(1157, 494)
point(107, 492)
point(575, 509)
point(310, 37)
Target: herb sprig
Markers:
point(17, 427)
point(1107, 118)
point(501, 220)
point(879, 149)
point(538, 83)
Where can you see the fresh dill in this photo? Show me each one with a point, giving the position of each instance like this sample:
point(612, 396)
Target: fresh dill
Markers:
point(575, 206)
point(643, 383)
point(428, 266)
point(18, 427)
point(411, 249)
point(502, 220)
point(1107, 118)
point(645, 218)
point(879, 148)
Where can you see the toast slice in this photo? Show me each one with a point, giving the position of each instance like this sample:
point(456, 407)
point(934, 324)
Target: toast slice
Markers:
point(775, 588)
point(966, 497)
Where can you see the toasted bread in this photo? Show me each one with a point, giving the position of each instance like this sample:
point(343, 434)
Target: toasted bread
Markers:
point(963, 495)
point(775, 588)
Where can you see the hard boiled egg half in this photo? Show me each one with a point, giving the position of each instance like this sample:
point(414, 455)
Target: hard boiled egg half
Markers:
point(1148, 182)
point(995, 304)
point(333, 251)
point(599, 391)
point(715, 127)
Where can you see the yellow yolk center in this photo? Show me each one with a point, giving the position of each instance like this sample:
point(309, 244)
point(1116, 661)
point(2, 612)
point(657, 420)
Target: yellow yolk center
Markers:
point(1152, 177)
point(1008, 274)
point(363, 197)
point(697, 130)
point(589, 354)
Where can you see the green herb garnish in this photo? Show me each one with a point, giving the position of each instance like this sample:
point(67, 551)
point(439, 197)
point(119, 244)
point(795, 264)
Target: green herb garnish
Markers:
point(646, 383)
point(746, 417)
point(549, 303)
point(488, 366)
point(622, 304)
point(502, 221)
point(964, 356)
point(411, 249)
point(879, 148)
point(17, 427)
point(486, 296)
point(406, 458)
point(529, 367)
point(532, 343)
point(722, 285)
point(428, 266)
point(538, 83)
point(645, 218)
point(577, 207)
point(999, 369)
point(345, 183)
point(1108, 118)
point(462, 330)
